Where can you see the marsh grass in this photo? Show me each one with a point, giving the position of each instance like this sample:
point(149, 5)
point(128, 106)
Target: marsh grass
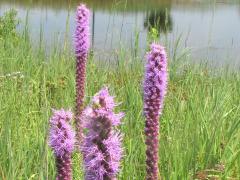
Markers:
point(199, 126)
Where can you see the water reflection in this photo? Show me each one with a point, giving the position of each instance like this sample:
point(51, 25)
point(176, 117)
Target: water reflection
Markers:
point(160, 19)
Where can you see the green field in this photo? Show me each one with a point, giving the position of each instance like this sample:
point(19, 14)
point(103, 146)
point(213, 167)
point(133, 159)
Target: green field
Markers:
point(199, 126)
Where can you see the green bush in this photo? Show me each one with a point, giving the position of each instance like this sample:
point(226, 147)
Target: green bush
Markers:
point(8, 26)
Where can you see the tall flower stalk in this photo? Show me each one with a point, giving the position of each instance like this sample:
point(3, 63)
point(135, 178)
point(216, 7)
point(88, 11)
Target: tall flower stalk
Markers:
point(61, 140)
point(101, 147)
point(155, 86)
point(81, 51)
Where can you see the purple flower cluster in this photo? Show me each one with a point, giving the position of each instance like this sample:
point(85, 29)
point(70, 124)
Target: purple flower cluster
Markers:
point(82, 31)
point(61, 140)
point(155, 86)
point(81, 51)
point(101, 147)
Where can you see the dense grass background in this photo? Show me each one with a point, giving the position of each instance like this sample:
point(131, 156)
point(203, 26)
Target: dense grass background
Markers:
point(199, 126)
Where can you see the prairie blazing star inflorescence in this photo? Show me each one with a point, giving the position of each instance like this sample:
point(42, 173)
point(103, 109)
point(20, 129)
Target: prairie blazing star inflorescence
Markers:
point(61, 140)
point(81, 51)
point(101, 146)
point(155, 85)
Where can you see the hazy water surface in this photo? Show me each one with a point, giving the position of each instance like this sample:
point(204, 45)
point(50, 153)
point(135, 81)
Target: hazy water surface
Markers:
point(210, 29)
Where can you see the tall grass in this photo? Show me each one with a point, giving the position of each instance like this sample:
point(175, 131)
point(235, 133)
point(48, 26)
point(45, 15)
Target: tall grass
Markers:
point(199, 127)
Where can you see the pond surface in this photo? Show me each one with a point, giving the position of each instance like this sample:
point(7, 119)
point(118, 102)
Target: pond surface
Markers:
point(209, 29)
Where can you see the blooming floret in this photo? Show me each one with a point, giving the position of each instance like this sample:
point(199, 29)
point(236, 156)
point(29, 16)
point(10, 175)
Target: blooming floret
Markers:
point(61, 140)
point(101, 147)
point(82, 31)
point(81, 42)
point(155, 85)
point(61, 137)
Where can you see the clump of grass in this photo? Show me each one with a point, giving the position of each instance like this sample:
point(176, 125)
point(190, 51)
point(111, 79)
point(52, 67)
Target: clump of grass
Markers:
point(199, 127)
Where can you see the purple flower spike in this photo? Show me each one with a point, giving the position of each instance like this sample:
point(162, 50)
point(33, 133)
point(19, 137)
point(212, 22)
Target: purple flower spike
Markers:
point(101, 147)
point(155, 86)
point(61, 140)
point(81, 51)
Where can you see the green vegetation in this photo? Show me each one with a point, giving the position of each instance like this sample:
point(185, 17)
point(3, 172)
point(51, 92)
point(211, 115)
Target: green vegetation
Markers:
point(199, 127)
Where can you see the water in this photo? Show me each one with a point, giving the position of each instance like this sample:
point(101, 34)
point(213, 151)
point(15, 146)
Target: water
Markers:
point(209, 29)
